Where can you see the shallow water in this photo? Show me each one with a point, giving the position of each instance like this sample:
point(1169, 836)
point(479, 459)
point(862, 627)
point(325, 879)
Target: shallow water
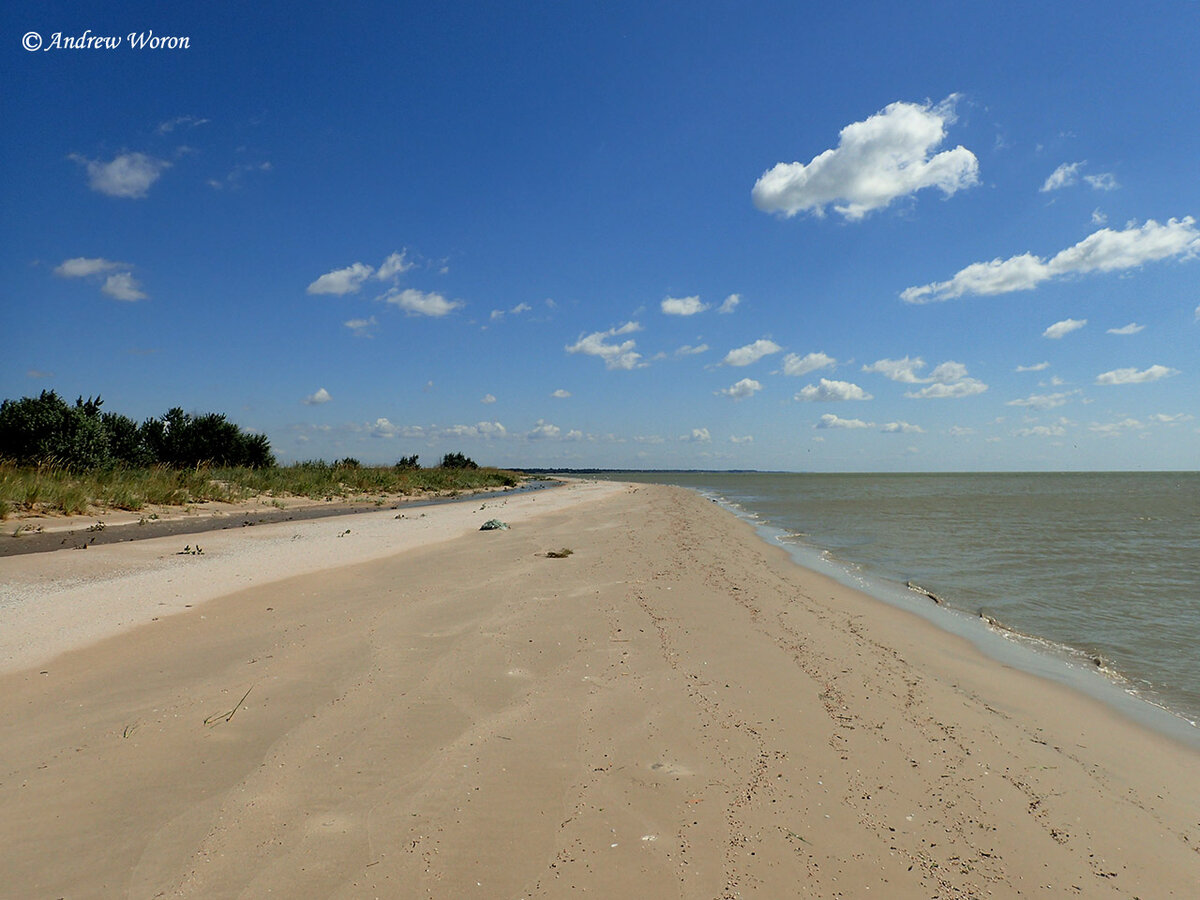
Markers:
point(1078, 566)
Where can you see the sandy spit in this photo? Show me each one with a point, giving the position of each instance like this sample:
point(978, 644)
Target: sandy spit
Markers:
point(418, 709)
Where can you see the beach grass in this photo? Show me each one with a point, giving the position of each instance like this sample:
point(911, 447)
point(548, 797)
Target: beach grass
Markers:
point(55, 490)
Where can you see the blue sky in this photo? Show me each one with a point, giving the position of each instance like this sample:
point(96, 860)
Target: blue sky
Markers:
point(918, 236)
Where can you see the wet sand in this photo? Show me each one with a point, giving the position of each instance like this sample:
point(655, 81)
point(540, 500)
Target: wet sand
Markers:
point(413, 708)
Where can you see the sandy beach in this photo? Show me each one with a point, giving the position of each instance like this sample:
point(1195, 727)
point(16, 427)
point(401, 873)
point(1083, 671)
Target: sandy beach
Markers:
point(400, 705)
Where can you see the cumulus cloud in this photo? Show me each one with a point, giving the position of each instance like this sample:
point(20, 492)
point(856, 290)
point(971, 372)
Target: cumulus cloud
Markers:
point(361, 327)
point(902, 370)
point(1131, 328)
point(82, 267)
point(1068, 174)
point(118, 285)
point(342, 281)
point(321, 396)
point(829, 391)
point(123, 286)
point(729, 304)
point(698, 436)
point(829, 420)
point(747, 387)
point(1057, 430)
point(420, 303)
point(683, 306)
point(901, 428)
point(498, 314)
point(561, 394)
point(948, 380)
point(543, 430)
point(1102, 251)
point(396, 264)
point(1043, 401)
point(488, 398)
point(1105, 181)
point(128, 175)
point(751, 353)
point(1036, 367)
point(887, 156)
point(741, 439)
point(1060, 329)
point(1064, 176)
point(1133, 376)
point(810, 362)
point(615, 356)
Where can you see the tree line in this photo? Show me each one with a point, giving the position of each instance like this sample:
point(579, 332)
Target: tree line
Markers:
point(47, 430)
point(43, 430)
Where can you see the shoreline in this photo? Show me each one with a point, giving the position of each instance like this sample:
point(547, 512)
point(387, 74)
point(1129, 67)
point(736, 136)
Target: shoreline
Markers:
point(677, 708)
point(1030, 653)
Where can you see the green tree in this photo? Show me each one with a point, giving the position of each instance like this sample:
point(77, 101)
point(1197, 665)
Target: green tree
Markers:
point(458, 461)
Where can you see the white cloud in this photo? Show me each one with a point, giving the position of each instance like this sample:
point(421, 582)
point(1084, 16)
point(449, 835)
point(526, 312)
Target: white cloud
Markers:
point(1176, 419)
point(902, 370)
point(342, 281)
point(179, 121)
point(488, 398)
point(1131, 328)
point(1102, 251)
point(561, 394)
point(1041, 431)
point(747, 387)
point(1043, 401)
point(544, 431)
point(683, 306)
point(965, 387)
point(1098, 217)
point(420, 303)
point(395, 264)
point(1196, 315)
point(689, 350)
point(321, 396)
point(901, 428)
point(831, 421)
point(615, 356)
point(128, 175)
point(811, 362)
point(361, 327)
point(743, 439)
point(948, 380)
point(1133, 376)
point(1064, 176)
point(698, 436)
point(1068, 174)
point(878, 160)
point(959, 431)
point(1114, 428)
point(828, 391)
point(1105, 181)
point(751, 353)
point(82, 267)
point(123, 286)
point(498, 314)
point(1036, 367)
point(1060, 329)
point(729, 304)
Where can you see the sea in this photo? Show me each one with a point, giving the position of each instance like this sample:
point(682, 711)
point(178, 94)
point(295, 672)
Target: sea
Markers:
point(1091, 579)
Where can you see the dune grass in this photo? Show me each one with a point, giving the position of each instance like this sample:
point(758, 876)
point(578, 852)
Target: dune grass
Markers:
point(57, 490)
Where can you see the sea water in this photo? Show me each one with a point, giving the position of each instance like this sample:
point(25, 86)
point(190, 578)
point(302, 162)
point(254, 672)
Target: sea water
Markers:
point(1091, 575)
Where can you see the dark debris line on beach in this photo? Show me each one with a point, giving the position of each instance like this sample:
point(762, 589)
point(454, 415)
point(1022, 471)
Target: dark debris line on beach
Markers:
point(90, 535)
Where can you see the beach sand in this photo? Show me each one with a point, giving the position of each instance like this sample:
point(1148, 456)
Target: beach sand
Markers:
point(380, 707)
